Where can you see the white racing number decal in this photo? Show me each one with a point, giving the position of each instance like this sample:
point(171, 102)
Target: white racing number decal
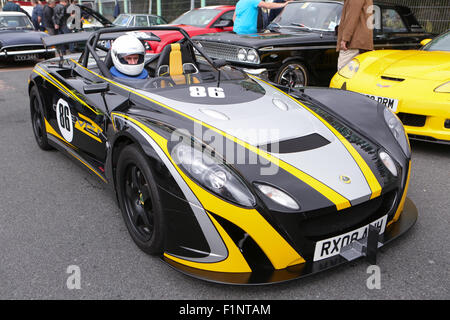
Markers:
point(64, 118)
point(212, 92)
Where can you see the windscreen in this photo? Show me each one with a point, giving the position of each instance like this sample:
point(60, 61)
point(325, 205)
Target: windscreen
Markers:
point(310, 15)
point(441, 43)
point(15, 22)
point(122, 20)
point(197, 17)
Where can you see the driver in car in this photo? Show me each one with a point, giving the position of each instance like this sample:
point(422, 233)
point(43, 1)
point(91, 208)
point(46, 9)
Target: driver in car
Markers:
point(127, 53)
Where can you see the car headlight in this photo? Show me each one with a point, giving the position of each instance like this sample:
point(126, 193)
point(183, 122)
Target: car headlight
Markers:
point(248, 55)
point(278, 196)
point(242, 55)
point(444, 88)
point(350, 69)
point(213, 174)
point(397, 129)
point(388, 162)
point(252, 56)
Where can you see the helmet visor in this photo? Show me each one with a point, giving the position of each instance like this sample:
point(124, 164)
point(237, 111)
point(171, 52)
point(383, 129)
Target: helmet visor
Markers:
point(131, 59)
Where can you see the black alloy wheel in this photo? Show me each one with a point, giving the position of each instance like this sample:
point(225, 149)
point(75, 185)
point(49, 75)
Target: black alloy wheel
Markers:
point(139, 200)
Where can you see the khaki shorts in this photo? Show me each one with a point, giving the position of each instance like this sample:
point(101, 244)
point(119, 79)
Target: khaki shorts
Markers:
point(346, 56)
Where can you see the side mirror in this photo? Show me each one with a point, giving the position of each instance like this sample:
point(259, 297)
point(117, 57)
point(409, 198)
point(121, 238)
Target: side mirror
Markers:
point(223, 24)
point(425, 42)
point(96, 88)
point(218, 63)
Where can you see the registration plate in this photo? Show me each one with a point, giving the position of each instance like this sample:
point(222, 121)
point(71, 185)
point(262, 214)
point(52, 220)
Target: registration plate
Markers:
point(332, 246)
point(388, 102)
point(25, 57)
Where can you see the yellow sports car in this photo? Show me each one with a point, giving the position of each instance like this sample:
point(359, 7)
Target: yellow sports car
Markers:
point(415, 84)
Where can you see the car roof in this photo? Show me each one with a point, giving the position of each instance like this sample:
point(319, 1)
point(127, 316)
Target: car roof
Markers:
point(224, 6)
point(11, 13)
point(139, 14)
point(378, 3)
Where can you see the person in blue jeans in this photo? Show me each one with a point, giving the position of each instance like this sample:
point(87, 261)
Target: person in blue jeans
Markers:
point(246, 14)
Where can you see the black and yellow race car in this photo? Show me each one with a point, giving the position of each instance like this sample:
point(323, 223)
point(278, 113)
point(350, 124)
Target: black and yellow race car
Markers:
point(227, 177)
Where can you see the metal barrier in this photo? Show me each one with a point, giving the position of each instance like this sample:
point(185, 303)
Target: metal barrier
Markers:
point(433, 15)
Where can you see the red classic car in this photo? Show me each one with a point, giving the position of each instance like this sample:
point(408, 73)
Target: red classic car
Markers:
point(198, 21)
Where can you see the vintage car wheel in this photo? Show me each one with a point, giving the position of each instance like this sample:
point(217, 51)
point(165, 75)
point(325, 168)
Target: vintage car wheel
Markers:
point(139, 200)
point(292, 73)
point(37, 120)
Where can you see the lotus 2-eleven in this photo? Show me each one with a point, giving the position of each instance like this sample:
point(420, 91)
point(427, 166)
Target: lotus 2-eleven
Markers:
point(225, 176)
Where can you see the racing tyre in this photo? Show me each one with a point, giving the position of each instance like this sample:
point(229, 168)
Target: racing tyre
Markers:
point(37, 119)
point(139, 200)
point(292, 73)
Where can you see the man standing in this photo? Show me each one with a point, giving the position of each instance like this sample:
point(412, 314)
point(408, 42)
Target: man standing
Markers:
point(36, 14)
point(246, 14)
point(11, 6)
point(354, 34)
point(60, 16)
point(47, 17)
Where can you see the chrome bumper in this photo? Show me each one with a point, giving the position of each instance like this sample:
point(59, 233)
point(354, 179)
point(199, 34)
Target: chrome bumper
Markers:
point(15, 53)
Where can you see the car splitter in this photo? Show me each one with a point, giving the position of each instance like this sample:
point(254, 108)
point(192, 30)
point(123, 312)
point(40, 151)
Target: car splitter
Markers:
point(366, 247)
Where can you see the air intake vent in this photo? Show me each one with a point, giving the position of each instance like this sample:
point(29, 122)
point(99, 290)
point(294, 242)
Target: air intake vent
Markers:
point(392, 79)
point(309, 142)
point(412, 120)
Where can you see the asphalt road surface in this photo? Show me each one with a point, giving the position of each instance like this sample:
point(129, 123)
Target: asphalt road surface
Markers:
point(56, 219)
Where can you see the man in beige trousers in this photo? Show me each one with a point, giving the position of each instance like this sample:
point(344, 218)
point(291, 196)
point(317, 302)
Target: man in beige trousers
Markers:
point(355, 34)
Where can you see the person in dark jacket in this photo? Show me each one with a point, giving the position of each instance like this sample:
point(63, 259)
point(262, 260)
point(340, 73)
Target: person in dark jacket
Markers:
point(47, 17)
point(60, 16)
point(11, 6)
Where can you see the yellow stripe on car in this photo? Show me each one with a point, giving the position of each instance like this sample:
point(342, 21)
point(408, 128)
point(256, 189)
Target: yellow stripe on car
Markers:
point(337, 199)
point(403, 199)
point(372, 181)
point(235, 262)
point(52, 131)
point(65, 89)
point(278, 250)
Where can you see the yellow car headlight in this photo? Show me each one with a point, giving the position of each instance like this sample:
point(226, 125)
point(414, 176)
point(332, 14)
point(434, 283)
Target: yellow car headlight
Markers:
point(444, 88)
point(350, 69)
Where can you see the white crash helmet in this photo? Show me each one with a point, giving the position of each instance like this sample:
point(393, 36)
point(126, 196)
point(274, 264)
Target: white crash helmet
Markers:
point(124, 46)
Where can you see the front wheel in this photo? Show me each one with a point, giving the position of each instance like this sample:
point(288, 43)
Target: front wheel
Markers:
point(139, 200)
point(293, 74)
